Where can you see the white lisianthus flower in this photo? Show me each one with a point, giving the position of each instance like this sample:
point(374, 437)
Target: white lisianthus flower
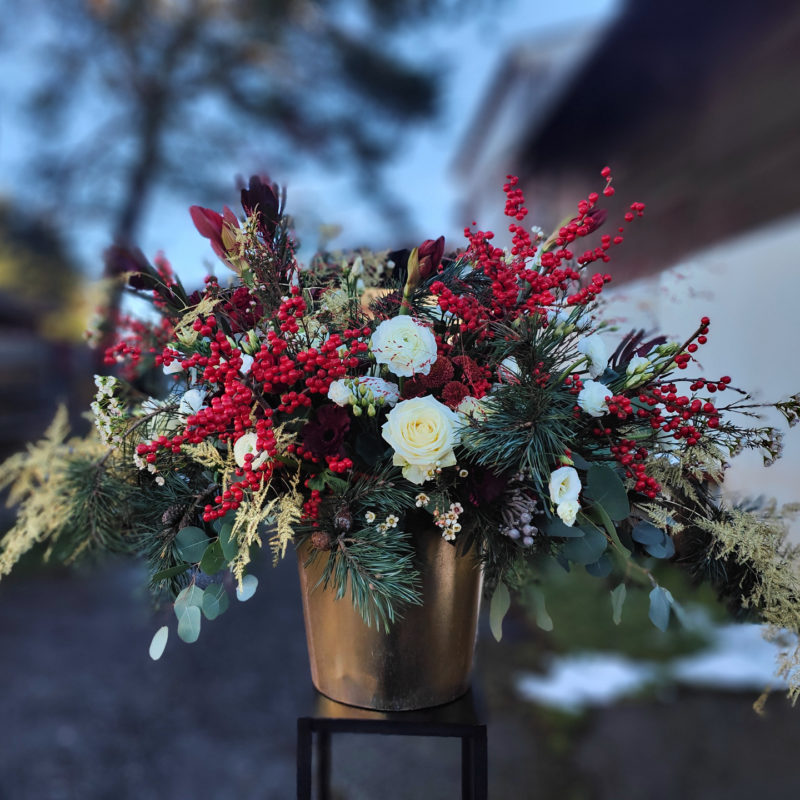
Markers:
point(564, 485)
point(405, 346)
point(423, 432)
point(594, 348)
point(567, 511)
point(390, 392)
point(593, 398)
point(192, 401)
point(340, 392)
point(247, 443)
point(637, 365)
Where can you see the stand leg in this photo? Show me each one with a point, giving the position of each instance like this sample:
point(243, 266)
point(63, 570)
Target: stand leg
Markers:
point(467, 768)
point(480, 765)
point(324, 762)
point(304, 736)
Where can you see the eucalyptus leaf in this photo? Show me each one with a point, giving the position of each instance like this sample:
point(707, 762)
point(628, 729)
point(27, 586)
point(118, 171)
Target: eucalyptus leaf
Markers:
point(606, 489)
point(159, 642)
point(543, 619)
point(215, 601)
point(213, 560)
point(555, 527)
point(192, 595)
point(191, 543)
point(656, 542)
point(247, 589)
point(501, 602)
point(601, 568)
point(166, 574)
point(660, 607)
point(189, 624)
point(227, 541)
point(618, 596)
point(586, 550)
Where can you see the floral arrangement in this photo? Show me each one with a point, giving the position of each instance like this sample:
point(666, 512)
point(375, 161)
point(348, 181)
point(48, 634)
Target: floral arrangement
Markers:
point(343, 404)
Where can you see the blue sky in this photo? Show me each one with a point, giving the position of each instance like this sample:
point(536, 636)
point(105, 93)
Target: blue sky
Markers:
point(420, 171)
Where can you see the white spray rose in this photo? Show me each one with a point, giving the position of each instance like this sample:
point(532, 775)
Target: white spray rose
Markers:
point(192, 401)
point(423, 432)
point(567, 511)
point(248, 444)
point(508, 371)
point(472, 407)
point(405, 346)
point(594, 348)
point(593, 398)
point(174, 368)
point(247, 363)
point(564, 485)
point(340, 392)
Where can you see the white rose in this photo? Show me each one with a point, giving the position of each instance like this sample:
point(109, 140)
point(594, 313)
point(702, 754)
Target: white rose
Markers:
point(340, 392)
point(422, 431)
point(564, 485)
point(568, 510)
point(404, 345)
point(390, 392)
point(192, 401)
point(472, 407)
point(174, 368)
point(594, 348)
point(508, 371)
point(247, 444)
point(592, 398)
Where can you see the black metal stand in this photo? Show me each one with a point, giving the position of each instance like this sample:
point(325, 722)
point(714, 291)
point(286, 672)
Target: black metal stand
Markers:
point(457, 719)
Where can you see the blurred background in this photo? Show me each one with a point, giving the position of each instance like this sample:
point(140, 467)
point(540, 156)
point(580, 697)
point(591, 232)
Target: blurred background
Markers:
point(390, 122)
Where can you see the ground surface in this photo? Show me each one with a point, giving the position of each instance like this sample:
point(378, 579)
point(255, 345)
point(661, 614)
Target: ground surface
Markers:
point(84, 713)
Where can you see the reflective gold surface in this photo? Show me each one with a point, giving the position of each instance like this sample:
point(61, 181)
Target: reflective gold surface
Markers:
point(425, 659)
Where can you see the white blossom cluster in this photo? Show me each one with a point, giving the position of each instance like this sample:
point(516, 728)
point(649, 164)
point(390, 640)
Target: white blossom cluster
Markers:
point(448, 521)
point(106, 409)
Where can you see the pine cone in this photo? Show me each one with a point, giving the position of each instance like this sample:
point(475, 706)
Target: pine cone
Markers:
point(321, 540)
point(343, 519)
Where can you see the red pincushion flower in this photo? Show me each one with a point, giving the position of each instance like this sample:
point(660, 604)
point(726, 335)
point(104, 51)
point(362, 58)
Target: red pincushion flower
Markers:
point(453, 393)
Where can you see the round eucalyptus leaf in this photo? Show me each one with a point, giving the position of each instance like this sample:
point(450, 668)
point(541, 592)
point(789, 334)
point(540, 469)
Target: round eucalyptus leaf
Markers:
point(586, 550)
point(215, 601)
point(228, 542)
point(213, 560)
point(247, 589)
point(192, 595)
point(191, 543)
point(189, 624)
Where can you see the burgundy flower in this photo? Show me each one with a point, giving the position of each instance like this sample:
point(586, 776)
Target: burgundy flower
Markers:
point(264, 197)
point(324, 436)
point(121, 260)
point(430, 256)
point(212, 225)
point(243, 310)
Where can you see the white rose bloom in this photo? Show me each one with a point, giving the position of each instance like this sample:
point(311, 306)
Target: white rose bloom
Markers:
point(247, 444)
point(568, 510)
point(564, 485)
point(472, 407)
point(508, 371)
point(340, 392)
point(192, 401)
point(594, 348)
point(174, 368)
point(405, 346)
point(593, 398)
point(423, 432)
point(390, 392)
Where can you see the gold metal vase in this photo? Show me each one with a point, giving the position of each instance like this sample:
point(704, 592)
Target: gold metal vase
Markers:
point(426, 657)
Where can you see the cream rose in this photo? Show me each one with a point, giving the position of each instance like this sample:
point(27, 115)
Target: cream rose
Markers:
point(593, 398)
point(564, 485)
point(423, 432)
point(405, 346)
